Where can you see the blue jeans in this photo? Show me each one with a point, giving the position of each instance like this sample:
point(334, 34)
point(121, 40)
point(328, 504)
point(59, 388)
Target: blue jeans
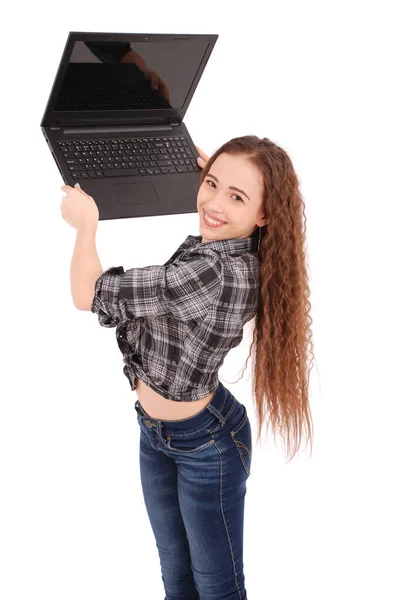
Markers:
point(193, 475)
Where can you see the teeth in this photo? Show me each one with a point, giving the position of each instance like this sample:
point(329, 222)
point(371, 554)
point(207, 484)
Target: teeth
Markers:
point(212, 221)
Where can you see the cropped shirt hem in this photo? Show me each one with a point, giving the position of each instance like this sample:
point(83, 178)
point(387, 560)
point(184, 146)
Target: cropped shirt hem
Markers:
point(195, 394)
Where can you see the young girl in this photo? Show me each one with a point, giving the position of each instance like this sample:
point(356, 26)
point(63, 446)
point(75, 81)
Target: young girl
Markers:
point(175, 323)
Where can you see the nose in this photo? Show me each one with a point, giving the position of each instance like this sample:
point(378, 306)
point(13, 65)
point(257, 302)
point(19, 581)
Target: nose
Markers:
point(215, 208)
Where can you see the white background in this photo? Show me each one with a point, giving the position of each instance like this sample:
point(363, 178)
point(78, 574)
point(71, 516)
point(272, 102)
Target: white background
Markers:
point(325, 79)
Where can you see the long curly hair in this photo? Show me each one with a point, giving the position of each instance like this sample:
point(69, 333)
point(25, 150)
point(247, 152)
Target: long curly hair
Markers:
point(281, 335)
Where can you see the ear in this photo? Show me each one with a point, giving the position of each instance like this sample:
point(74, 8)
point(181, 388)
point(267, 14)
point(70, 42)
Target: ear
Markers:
point(262, 222)
point(262, 218)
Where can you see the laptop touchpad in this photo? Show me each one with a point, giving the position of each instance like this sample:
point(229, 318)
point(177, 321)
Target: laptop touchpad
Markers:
point(142, 192)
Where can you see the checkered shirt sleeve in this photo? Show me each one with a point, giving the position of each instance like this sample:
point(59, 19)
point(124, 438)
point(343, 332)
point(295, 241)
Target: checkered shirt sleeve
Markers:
point(185, 290)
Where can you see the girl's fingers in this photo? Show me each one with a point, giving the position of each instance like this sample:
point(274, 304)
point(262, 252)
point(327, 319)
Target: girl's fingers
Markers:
point(202, 154)
point(81, 190)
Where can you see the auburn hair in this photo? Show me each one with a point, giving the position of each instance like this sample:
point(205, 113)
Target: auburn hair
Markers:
point(282, 326)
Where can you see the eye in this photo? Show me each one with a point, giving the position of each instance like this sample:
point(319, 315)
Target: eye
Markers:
point(210, 181)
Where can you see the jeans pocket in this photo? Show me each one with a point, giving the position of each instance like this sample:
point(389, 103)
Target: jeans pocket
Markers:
point(188, 444)
point(242, 437)
point(182, 443)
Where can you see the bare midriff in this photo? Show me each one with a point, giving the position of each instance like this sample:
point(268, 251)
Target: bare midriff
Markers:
point(158, 407)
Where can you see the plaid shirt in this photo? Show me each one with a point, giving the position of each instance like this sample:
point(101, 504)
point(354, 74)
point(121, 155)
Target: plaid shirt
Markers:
point(175, 323)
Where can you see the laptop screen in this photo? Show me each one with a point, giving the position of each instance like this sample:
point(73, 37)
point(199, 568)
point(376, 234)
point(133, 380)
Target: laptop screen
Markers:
point(130, 78)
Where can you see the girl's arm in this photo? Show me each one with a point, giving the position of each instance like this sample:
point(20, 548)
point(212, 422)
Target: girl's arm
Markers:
point(85, 268)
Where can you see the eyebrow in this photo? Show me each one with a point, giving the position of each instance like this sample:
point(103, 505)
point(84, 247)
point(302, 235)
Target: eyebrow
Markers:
point(231, 187)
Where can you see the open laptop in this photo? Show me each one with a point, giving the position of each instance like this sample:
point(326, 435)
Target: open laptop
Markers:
point(125, 143)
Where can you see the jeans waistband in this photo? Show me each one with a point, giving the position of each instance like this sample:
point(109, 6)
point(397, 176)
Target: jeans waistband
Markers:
point(220, 406)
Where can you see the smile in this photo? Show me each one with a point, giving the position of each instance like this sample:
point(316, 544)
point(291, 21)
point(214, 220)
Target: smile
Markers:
point(211, 222)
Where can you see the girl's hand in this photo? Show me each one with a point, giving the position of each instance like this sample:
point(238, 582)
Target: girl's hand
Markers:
point(202, 159)
point(78, 208)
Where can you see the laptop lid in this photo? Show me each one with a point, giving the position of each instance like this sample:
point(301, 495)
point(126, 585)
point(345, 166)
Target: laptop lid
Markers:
point(105, 78)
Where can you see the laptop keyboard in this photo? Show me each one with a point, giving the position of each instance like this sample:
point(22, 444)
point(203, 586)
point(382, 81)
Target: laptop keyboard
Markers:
point(95, 158)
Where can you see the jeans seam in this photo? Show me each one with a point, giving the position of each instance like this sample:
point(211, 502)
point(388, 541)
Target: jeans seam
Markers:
point(225, 522)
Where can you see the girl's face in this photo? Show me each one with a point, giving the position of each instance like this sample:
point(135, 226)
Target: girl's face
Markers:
point(231, 192)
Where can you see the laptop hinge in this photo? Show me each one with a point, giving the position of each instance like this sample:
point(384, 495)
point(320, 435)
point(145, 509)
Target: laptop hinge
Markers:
point(117, 129)
point(73, 130)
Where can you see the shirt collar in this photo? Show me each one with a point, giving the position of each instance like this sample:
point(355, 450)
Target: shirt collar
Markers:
point(226, 247)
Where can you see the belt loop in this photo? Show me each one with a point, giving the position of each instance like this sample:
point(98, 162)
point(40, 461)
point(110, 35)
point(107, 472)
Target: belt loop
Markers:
point(217, 414)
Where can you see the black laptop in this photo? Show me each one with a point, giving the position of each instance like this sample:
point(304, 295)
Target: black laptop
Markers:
point(114, 120)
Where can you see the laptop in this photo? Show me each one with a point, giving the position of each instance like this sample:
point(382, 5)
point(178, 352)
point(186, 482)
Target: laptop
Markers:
point(114, 120)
